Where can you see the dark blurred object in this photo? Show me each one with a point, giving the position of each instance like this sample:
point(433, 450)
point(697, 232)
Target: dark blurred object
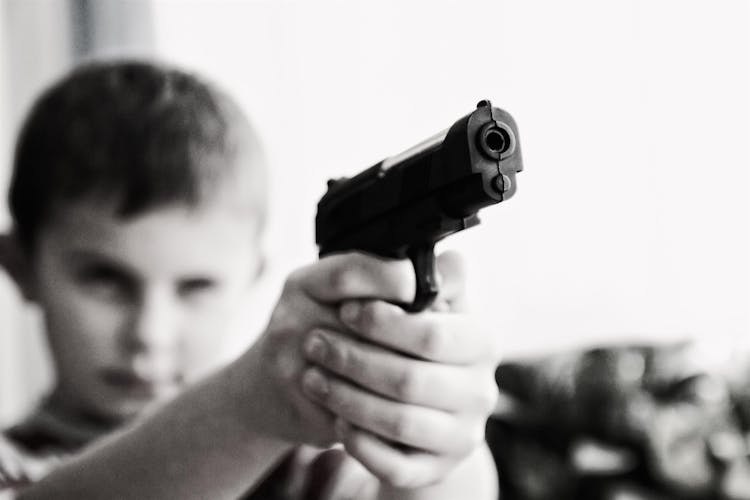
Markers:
point(627, 422)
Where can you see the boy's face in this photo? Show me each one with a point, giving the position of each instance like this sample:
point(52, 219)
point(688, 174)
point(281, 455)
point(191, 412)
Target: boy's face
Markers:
point(136, 308)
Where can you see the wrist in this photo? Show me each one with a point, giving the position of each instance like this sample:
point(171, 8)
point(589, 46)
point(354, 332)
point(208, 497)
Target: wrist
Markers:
point(473, 477)
point(252, 400)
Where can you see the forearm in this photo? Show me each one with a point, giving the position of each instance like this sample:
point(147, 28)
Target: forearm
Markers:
point(475, 477)
point(198, 446)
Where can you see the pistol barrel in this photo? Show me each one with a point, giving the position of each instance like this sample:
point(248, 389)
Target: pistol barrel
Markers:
point(423, 194)
point(401, 206)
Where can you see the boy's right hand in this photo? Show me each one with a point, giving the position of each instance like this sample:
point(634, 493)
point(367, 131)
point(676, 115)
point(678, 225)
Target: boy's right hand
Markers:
point(269, 388)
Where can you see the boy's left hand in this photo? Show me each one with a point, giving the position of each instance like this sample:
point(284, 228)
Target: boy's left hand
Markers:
point(412, 392)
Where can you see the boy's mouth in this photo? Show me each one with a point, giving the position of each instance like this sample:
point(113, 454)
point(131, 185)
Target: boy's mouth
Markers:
point(137, 385)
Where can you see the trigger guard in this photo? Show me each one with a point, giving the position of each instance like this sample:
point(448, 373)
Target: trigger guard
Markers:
point(423, 259)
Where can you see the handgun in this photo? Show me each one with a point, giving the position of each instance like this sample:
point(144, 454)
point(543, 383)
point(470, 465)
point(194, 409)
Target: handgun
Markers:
point(401, 206)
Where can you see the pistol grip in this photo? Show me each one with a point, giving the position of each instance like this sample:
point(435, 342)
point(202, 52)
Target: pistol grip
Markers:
point(423, 259)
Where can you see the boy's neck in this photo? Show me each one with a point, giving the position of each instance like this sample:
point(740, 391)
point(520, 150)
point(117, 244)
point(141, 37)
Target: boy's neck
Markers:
point(71, 418)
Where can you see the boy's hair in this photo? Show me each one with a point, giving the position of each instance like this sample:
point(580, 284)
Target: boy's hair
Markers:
point(137, 133)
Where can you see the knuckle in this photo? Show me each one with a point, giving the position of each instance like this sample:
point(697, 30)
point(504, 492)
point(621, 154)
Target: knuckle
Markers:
point(407, 385)
point(339, 356)
point(433, 341)
point(370, 317)
point(341, 402)
point(335, 401)
point(343, 280)
point(400, 427)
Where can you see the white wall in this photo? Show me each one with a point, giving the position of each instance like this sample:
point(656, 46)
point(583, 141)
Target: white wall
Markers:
point(35, 49)
point(632, 217)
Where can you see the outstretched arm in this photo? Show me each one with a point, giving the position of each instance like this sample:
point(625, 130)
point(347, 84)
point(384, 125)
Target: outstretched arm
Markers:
point(221, 436)
point(198, 446)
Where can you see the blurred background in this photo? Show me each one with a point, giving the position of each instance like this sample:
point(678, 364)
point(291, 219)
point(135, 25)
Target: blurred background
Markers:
point(631, 221)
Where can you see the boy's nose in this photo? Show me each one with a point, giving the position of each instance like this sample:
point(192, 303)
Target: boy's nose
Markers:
point(153, 325)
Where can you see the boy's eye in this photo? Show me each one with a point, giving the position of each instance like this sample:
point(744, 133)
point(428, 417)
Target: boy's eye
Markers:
point(193, 287)
point(107, 282)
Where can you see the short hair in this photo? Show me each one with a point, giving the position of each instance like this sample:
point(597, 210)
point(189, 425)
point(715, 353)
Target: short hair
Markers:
point(141, 134)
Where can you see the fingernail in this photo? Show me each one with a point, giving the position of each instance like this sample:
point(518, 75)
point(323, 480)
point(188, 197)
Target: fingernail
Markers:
point(315, 347)
point(350, 312)
point(315, 382)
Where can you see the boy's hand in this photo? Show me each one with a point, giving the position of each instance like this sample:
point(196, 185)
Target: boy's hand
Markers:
point(411, 392)
point(268, 377)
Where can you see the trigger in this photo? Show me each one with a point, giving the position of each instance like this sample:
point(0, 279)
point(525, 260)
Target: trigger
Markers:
point(423, 259)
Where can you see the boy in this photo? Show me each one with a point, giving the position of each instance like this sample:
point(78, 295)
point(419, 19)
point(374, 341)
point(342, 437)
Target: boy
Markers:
point(138, 201)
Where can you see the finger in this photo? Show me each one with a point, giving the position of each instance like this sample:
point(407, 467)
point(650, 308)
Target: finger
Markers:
point(416, 426)
point(452, 281)
point(355, 275)
point(299, 308)
point(335, 475)
point(404, 378)
point(444, 337)
point(402, 468)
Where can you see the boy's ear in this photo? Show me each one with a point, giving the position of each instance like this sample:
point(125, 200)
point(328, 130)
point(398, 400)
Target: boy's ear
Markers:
point(16, 263)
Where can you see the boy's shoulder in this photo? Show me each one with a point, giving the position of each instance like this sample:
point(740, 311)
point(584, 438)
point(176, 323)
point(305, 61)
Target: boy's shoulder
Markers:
point(21, 465)
point(33, 447)
point(49, 431)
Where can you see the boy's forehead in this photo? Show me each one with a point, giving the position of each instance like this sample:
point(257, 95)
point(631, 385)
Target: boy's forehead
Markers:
point(197, 235)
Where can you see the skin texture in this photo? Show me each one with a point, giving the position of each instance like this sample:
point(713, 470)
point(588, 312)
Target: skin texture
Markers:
point(148, 300)
point(342, 366)
point(136, 309)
